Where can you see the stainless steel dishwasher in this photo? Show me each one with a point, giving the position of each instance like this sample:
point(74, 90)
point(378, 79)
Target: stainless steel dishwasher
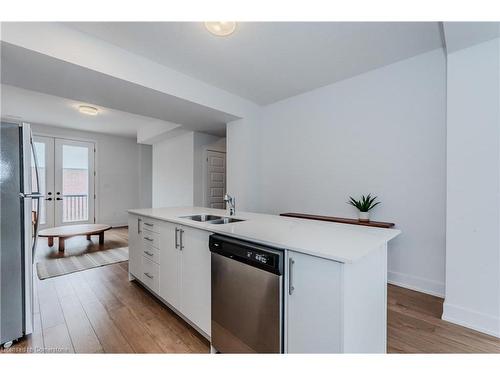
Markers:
point(247, 296)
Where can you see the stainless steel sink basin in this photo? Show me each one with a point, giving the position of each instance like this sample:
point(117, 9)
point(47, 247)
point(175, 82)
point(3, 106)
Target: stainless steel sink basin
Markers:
point(225, 220)
point(203, 217)
point(212, 219)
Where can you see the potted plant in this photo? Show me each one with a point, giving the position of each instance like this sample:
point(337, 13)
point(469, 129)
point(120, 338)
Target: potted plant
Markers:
point(364, 205)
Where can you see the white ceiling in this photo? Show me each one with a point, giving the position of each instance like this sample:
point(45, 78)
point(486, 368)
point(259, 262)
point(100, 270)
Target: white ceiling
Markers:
point(465, 34)
point(267, 62)
point(35, 107)
point(34, 71)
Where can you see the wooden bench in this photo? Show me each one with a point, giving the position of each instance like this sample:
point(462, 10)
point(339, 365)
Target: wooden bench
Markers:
point(68, 231)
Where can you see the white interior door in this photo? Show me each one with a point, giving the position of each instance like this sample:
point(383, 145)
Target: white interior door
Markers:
point(44, 148)
point(216, 179)
point(74, 182)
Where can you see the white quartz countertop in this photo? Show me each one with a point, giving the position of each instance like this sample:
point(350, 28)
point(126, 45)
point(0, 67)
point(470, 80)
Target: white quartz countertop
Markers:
point(340, 242)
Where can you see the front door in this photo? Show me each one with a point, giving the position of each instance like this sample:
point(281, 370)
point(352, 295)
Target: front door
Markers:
point(66, 180)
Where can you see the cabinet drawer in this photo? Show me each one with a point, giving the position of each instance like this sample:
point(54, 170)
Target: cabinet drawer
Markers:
point(151, 253)
point(150, 274)
point(150, 224)
point(151, 239)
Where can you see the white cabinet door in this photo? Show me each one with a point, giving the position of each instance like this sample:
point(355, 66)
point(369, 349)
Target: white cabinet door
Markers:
point(134, 246)
point(169, 264)
point(313, 305)
point(196, 278)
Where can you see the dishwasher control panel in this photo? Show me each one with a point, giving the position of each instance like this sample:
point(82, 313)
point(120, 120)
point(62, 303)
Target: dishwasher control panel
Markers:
point(265, 258)
point(261, 258)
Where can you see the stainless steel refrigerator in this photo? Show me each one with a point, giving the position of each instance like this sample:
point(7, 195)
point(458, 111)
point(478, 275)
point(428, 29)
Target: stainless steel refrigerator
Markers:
point(19, 206)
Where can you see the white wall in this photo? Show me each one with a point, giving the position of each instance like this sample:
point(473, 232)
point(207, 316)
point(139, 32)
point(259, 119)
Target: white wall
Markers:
point(243, 162)
point(145, 176)
point(381, 132)
point(173, 171)
point(178, 173)
point(121, 183)
point(473, 201)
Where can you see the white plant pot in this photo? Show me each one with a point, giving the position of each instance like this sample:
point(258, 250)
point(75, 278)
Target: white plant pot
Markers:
point(364, 216)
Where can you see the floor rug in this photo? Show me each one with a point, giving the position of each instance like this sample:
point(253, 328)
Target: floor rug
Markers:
point(76, 263)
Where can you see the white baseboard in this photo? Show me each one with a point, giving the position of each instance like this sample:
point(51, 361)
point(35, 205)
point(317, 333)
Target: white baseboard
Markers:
point(114, 224)
point(451, 313)
point(472, 319)
point(418, 284)
point(119, 225)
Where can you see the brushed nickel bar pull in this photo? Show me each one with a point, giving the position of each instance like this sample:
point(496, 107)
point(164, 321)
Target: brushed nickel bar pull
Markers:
point(182, 238)
point(176, 238)
point(291, 288)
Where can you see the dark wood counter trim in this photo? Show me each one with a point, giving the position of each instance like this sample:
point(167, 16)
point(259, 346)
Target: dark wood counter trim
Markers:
point(378, 224)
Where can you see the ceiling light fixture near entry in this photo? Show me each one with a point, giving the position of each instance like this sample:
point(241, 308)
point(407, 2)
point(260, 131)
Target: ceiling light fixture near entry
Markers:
point(88, 110)
point(221, 28)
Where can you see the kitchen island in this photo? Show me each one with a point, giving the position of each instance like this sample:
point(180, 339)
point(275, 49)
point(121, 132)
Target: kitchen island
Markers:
point(334, 299)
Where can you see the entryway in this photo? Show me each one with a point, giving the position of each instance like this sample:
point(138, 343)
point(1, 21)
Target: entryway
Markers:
point(66, 175)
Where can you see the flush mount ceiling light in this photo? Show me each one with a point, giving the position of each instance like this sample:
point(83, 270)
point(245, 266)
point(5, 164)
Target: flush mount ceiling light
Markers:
point(88, 110)
point(221, 28)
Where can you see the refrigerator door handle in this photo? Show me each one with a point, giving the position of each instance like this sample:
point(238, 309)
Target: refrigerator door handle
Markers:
point(35, 225)
point(35, 159)
point(32, 195)
point(35, 195)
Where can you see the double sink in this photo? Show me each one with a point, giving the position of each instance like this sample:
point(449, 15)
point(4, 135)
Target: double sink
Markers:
point(212, 219)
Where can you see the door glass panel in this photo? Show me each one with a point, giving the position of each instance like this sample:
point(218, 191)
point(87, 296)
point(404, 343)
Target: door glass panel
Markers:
point(75, 183)
point(42, 175)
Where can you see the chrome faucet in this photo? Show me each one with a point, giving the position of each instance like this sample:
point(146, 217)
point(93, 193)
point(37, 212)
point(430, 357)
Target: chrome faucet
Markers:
point(232, 204)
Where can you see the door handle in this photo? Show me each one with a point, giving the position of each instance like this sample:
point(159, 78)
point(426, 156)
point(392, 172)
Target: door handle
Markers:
point(48, 199)
point(148, 253)
point(139, 225)
point(291, 288)
point(148, 275)
point(59, 199)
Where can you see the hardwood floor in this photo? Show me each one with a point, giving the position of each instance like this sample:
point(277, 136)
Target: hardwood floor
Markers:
point(414, 325)
point(100, 311)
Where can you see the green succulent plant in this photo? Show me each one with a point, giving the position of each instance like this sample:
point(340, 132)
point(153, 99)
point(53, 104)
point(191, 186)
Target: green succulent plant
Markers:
point(365, 204)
